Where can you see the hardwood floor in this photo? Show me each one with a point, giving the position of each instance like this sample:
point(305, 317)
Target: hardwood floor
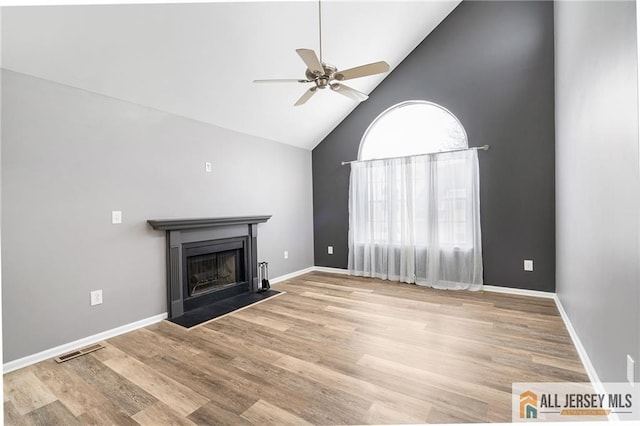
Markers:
point(332, 350)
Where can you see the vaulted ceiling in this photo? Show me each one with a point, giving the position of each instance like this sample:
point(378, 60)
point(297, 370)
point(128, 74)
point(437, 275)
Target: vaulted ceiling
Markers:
point(199, 60)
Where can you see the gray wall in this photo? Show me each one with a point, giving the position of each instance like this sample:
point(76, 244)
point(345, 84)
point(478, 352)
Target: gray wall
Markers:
point(70, 157)
point(491, 64)
point(1, 350)
point(597, 179)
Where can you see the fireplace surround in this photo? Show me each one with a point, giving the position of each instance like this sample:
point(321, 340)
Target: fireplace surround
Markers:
point(209, 260)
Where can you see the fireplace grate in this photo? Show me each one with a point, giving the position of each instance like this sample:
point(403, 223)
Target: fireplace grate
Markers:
point(77, 353)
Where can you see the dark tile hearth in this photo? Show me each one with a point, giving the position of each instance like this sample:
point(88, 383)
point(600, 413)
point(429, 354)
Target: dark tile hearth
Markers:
point(219, 308)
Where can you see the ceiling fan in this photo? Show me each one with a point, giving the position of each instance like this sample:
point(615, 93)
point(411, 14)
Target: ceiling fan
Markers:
point(324, 75)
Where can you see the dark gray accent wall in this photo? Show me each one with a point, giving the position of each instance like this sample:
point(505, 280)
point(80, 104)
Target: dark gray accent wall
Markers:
point(491, 64)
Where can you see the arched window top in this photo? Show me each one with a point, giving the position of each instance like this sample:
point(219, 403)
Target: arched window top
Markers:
point(411, 128)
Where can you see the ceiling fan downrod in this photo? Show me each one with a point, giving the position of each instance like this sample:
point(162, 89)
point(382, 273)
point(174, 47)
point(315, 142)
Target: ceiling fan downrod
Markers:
point(320, 26)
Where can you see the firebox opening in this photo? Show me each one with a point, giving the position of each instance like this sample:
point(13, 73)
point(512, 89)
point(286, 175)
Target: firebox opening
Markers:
point(213, 270)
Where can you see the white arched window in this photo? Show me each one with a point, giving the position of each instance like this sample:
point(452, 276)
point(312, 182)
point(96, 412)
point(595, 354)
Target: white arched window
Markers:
point(417, 127)
point(414, 201)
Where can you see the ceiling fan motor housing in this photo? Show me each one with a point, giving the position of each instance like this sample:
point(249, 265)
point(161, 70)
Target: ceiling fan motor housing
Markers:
point(322, 81)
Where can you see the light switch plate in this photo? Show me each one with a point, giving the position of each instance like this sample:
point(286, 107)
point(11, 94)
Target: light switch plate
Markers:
point(96, 297)
point(207, 167)
point(329, 249)
point(116, 217)
point(286, 254)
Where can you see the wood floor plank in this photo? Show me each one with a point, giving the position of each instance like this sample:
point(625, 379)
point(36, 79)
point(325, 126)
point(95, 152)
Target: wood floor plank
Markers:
point(235, 344)
point(126, 396)
point(160, 414)
point(275, 342)
point(427, 392)
point(567, 363)
point(429, 316)
point(262, 321)
point(297, 311)
point(381, 414)
point(145, 344)
point(192, 338)
point(380, 320)
point(26, 392)
point(12, 416)
point(442, 381)
point(264, 413)
point(346, 408)
point(76, 394)
point(233, 385)
point(212, 414)
point(355, 386)
point(182, 399)
point(54, 413)
point(333, 349)
point(107, 352)
point(229, 396)
point(341, 287)
point(107, 415)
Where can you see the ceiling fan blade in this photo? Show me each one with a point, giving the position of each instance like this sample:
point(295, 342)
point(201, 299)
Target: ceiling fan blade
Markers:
point(362, 71)
point(349, 92)
point(311, 60)
point(282, 80)
point(305, 97)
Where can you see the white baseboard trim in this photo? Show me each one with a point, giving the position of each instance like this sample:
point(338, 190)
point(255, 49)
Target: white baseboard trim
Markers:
point(307, 270)
point(288, 276)
point(588, 366)
point(492, 288)
point(518, 291)
point(86, 341)
point(331, 270)
point(582, 353)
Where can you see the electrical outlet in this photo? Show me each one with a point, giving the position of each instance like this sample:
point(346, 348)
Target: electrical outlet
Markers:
point(207, 167)
point(286, 254)
point(116, 217)
point(329, 249)
point(631, 370)
point(528, 265)
point(96, 297)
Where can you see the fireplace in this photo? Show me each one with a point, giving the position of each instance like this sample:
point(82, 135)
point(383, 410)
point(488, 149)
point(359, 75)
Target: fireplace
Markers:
point(209, 260)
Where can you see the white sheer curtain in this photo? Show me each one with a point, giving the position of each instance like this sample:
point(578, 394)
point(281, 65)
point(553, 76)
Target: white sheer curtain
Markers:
point(417, 220)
